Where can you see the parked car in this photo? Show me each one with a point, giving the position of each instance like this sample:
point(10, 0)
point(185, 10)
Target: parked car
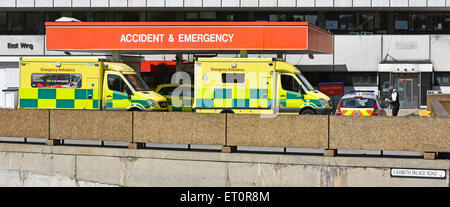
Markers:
point(360, 103)
point(185, 95)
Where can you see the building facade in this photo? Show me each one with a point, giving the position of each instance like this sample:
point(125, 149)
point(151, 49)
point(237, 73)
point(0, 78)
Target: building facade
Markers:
point(377, 43)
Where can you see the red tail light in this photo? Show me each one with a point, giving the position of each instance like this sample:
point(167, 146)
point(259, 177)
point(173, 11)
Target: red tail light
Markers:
point(338, 110)
point(377, 111)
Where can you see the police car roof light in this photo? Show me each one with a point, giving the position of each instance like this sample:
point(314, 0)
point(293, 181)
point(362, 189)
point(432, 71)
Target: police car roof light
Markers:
point(360, 91)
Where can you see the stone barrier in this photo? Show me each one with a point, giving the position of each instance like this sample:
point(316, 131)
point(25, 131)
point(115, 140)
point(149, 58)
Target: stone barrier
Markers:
point(418, 134)
point(282, 131)
point(179, 128)
point(31, 123)
point(91, 125)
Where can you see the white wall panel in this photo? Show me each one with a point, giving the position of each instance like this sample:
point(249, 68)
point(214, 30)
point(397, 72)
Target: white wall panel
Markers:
point(436, 3)
point(357, 52)
point(81, 3)
point(136, 3)
point(268, 3)
point(406, 47)
point(192, 3)
point(43, 3)
point(417, 3)
point(211, 3)
point(230, 3)
point(99, 3)
point(286, 3)
point(361, 3)
point(62, 3)
point(399, 3)
point(380, 3)
point(324, 3)
point(174, 3)
point(21, 45)
point(7, 3)
point(118, 3)
point(305, 3)
point(440, 52)
point(25, 3)
point(343, 3)
point(249, 3)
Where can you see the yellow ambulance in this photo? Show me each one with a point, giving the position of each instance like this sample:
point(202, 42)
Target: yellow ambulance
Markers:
point(254, 86)
point(84, 83)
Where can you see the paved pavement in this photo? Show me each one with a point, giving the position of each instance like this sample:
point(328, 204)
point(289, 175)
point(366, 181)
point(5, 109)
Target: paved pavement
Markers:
point(403, 112)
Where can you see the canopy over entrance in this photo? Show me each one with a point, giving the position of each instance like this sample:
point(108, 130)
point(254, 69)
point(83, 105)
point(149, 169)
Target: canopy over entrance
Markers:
point(189, 37)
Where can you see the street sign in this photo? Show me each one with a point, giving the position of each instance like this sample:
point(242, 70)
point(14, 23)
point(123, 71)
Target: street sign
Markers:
point(418, 173)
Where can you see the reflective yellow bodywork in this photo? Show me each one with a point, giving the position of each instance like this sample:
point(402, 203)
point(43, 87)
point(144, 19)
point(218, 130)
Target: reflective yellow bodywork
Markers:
point(253, 87)
point(80, 83)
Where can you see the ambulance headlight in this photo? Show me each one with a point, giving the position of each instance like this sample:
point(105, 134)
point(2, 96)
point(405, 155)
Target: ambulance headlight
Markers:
point(323, 102)
point(152, 103)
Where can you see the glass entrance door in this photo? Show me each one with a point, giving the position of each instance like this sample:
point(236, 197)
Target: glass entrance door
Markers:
point(407, 85)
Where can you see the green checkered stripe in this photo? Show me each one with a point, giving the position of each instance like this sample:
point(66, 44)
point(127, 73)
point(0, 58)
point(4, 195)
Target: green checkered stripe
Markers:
point(59, 98)
point(234, 98)
point(142, 104)
point(186, 105)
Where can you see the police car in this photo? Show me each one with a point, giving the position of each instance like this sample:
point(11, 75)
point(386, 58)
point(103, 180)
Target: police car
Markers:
point(360, 103)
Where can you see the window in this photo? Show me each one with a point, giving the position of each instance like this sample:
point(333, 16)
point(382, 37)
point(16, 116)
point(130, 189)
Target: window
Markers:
point(55, 80)
point(233, 78)
point(166, 91)
point(366, 21)
point(363, 79)
point(136, 82)
point(289, 83)
point(83, 16)
point(3, 22)
point(358, 103)
point(418, 21)
point(442, 78)
point(100, 17)
point(346, 21)
point(435, 21)
point(380, 21)
point(52, 16)
point(127, 16)
point(331, 21)
point(33, 22)
point(311, 18)
point(116, 83)
point(15, 21)
point(200, 16)
point(401, 21)
point(298, 18)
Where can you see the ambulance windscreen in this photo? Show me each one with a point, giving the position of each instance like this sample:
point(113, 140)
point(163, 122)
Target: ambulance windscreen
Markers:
point(136, 82)
point(305, 82)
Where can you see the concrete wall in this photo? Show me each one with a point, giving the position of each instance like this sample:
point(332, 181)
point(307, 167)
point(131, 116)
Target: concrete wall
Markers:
point(39, 165)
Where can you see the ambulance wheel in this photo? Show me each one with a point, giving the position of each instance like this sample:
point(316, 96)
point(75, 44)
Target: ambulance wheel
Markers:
point(308, 112)
point(134, 109)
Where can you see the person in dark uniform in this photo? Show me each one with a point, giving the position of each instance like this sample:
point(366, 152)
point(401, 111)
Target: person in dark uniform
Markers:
point(393, 100)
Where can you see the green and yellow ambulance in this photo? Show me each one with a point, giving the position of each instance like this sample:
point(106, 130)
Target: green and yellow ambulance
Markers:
point(179, 97)
point(84, 83)
point(254, 86)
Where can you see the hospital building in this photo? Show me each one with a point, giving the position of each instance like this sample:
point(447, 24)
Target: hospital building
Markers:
point(376, 43)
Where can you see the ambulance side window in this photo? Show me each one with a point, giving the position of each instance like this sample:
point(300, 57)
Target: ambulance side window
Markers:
point(289, 83)
point(116, 83)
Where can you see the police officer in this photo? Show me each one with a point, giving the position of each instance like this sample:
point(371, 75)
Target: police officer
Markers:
point(393, 100)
